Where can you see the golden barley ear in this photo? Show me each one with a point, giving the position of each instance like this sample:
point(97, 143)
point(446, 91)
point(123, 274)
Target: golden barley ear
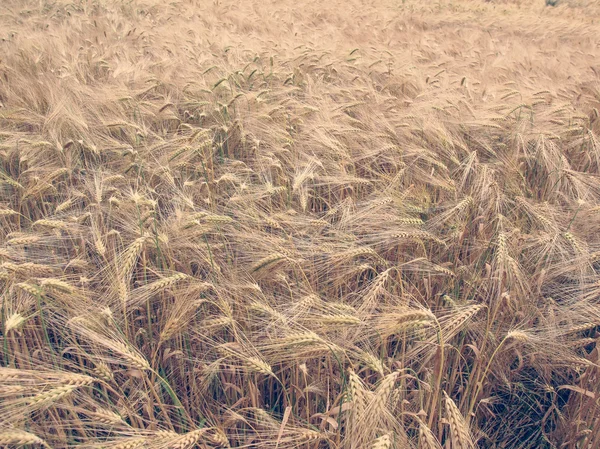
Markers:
point(459, 431)
point(20, 438)
point(383, 442)
point(427, 440)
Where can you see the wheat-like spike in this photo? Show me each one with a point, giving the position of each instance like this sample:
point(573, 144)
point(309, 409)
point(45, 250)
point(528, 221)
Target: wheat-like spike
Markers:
point(345, 309)
point(23, 240)
point(517, 335)
point(418, 236)
point(11, 182)
point(377, 288)
point(53, 224)
point(33, 290)
point(382, 393)
point(383, 442)
point(7, 212)
point(28, 269)
point(102, 371)
point(78, 380)
point(339, 320)
point(13, 389)
point(217, 219)
point(57, 285)
point(410, 221)
point(357, 392)
point(580, 343)
point(219, 322)
point(502, 251)
point(574, 243)
point(582, 327)
point(306, 435)
point(174, 440)
point(265, 418)
point(461, 438)
point(105, 416)
point(251, 362)
point(301, 339)
point(318, 223)
point(427, 439)
point(131, 356)
point(64, 205)
point(18, 438)
point(357, 252)
point(130, 255)
point(460, 318)
point(371, 362)
point(392, 323)
point(258, 365)
point(166, 282)
point(14, 322)
point(266, 261)
point(219, 438)
point(130, 443)
point(53, 395)
point(572, 361)
point(8, 375)
point(171, 328)
point(534, 213)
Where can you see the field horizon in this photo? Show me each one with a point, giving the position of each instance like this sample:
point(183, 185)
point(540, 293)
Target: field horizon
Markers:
point(296, 224)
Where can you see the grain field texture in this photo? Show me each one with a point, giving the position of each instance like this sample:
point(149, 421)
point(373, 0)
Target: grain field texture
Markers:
point(298, 224)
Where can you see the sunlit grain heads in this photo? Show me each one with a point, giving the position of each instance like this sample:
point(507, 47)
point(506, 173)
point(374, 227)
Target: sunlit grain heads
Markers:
point(459, 432)
point(130, 356)
point(358, 392)
point(220, 249)
point(130, 255)
point(427, 439)
point(267, 263)
point(106, 417)
point(370, 361)
point(339, 320)
point(102, 371)
point(402, 321)
point(383, 442)
point(383, 392)
point(257, 365)
point(48, 397)
point(20, 438)
point(253, 363)
point(179, 441)
point(51, 224)
point(166, 282)
point(33, 290)
point(219, 438)
point(7, 213)
point(517, 336)
point(28, 269)
point(454, 322)
point(56, 285)
point(14, 323)
point(129, 443)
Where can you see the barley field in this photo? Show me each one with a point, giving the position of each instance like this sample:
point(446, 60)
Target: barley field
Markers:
point(353, 224)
